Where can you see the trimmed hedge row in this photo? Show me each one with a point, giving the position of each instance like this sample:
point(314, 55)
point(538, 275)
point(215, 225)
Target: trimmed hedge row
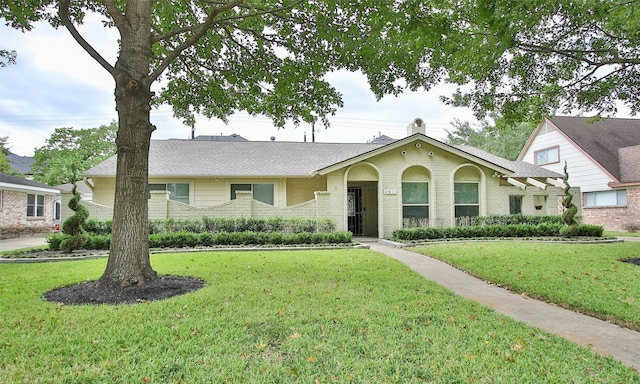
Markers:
point(512, 230)
point(214, 225)
point(518, 218)
point(207, 239)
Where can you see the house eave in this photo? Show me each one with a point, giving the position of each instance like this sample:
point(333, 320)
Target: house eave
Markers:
point(624, 185)
point(28, 188)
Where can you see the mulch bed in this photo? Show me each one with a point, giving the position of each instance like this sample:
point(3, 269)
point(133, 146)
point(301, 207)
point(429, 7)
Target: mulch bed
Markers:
point(161, 288)
point(635, 261)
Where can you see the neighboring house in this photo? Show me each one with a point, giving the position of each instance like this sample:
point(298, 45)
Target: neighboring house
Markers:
point(27, 206)
point(368, 189)
point(603, 159)
point(21, 164)
point(85, 194)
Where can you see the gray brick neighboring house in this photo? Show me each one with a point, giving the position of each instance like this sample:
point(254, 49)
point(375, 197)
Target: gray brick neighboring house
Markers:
point(603, 159)
point(27, 206)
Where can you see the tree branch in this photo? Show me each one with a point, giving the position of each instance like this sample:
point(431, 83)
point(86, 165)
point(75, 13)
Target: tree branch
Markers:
point(118, 18)
point(63, 12)
point(572, 54)
point(204, 27)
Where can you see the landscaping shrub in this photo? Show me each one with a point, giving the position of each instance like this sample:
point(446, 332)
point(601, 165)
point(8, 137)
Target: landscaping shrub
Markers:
point(518, 218)
point(206, 239)
point(54, 241)
point(215, 225)
point(497, 231)
point(97, 227)
point(73, 226)
point(98, 241)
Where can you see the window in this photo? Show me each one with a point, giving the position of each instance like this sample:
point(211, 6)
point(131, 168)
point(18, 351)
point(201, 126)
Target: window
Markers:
point(178, 191)
point(547, 156)
point(466, 200)
point(57, 207)
point(605, 198)
point(515, 204)
point(261, 192)
point(415, 201)
point(35, 205)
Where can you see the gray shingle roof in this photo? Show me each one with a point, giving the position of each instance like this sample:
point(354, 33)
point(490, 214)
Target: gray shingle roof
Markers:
point(519, 168)
point(191, 158)
point(10, 179)
point(21, 164)
point(601, 139)
point(238, 159)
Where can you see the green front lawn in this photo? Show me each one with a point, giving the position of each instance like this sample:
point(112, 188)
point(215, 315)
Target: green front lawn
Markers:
point(589, 278)
point(622, 234)
point(346, 316)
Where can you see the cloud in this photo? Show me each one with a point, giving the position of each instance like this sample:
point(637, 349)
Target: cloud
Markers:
point(55, 83)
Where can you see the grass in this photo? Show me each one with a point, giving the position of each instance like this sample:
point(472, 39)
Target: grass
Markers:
point(588, 278)
point(620, 233)
point(346, 316)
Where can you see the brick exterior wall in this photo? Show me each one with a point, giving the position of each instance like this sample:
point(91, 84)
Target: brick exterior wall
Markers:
point(14, 216)
point(626, 218)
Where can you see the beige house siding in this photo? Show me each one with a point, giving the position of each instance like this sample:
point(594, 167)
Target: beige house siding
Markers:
point(103, 190)
point(377, 175)
point(301, 190)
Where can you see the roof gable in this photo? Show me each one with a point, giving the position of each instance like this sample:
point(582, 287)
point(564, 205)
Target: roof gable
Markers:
point(602, 139)
point(496, 163)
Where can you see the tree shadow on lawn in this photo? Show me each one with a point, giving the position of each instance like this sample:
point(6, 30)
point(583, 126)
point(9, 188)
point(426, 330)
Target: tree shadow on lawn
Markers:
point(161, 288)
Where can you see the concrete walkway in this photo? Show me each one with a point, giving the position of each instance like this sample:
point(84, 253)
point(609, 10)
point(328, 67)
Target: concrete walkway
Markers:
point(602, 337)
point(23, 242)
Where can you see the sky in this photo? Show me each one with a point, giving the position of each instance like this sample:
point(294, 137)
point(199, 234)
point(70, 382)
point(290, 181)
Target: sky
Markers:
point(55, 83)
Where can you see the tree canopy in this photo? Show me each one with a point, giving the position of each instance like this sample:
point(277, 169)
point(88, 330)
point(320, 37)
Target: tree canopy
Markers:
point(501, 139)
point(69, 152)
point(7, 57)
point(5, 167)
point(531, 58)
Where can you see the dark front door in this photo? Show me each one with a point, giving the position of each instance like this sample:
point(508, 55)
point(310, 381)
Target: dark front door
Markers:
point(354, 210)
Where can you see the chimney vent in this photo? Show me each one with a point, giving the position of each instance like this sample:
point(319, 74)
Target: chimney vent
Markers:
point(416, 126)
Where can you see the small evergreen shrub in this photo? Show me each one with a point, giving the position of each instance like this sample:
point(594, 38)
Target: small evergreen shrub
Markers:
point(545, 229)
point(215, 225)
point(97, 227)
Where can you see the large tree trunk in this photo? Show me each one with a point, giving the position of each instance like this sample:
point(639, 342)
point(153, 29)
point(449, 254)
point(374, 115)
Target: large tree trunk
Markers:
point(128, 262)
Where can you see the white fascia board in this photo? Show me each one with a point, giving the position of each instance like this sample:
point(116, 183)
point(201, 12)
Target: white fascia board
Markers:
point(28, 188)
